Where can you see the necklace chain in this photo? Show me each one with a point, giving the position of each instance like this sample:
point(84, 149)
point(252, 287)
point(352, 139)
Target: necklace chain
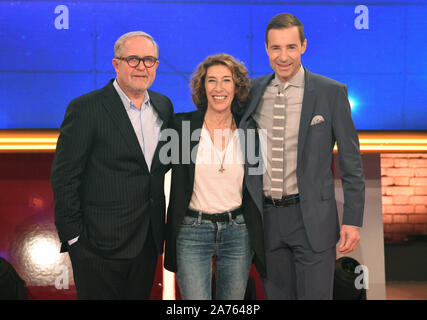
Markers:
point(221, 169)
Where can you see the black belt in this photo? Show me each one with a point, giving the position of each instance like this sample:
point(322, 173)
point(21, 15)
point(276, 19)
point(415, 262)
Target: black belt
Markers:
point(285, 201)
point(215, 217)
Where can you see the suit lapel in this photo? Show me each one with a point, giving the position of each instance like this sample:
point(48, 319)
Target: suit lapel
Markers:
point(114, 106)
point(256, 94)
point(254, 183)
point(196, 123)
point(308, 104)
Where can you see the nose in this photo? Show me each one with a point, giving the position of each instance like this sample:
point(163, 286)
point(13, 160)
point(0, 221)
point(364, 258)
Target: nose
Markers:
point(283, 55)
point(218, 86)
point(140, 66)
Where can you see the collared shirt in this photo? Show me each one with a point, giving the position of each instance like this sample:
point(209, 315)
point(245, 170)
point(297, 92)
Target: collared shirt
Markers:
point(294, 91)
point(145, 122)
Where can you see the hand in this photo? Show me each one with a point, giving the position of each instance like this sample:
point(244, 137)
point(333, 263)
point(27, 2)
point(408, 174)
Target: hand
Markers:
point(350, 236)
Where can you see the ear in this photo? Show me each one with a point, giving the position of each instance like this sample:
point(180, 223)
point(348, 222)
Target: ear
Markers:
point(115, 64)
point(266, 42)
point(304, 46)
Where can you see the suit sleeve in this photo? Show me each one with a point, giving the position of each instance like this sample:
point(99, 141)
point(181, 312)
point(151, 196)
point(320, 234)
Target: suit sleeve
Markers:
point(72, 151)
point(350, 162)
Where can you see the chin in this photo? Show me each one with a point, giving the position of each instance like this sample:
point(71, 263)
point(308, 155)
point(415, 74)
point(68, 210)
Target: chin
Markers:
point(221, 108)
point(285, 75)
point(224, 108)
point(140, 89)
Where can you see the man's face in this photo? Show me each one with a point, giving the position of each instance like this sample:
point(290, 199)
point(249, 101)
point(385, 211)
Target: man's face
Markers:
point(135, 81)
point(284, 49)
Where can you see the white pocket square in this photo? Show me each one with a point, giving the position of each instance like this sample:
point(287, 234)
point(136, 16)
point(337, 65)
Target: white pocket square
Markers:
point(316, 120)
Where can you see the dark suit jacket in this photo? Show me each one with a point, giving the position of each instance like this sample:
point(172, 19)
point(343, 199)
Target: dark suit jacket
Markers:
point(103, 190)
point(328, 98)
point(182, 189)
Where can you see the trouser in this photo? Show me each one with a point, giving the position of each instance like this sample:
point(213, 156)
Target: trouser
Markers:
point(294, 270)
point(198, 242)
point(96, 277)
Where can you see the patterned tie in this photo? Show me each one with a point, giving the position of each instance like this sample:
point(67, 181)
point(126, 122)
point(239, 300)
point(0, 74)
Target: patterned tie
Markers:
point(278, 135)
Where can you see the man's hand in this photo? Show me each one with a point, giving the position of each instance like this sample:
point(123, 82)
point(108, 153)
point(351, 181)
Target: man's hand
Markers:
point(350, 236)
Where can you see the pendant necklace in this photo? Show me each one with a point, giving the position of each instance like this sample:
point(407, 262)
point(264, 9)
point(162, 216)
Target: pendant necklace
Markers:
point(221, 169)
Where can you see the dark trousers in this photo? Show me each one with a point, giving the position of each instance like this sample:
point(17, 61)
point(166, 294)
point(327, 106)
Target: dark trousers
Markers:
point(294, 270)
point(100, 278)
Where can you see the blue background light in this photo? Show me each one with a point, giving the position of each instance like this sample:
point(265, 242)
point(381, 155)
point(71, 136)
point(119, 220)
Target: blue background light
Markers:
point(353, 104)
point(43, 68)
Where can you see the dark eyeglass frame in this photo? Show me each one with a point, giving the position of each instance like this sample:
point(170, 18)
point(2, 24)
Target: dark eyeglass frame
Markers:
point(145, 60)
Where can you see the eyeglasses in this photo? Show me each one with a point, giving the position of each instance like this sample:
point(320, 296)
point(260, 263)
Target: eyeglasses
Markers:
point(134, 61)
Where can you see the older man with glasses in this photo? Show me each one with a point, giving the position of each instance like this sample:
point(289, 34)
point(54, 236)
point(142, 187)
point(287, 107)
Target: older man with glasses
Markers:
point(107, 177)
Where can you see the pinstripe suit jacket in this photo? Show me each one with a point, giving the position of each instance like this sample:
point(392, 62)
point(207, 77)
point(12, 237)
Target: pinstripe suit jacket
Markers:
point(103, 190)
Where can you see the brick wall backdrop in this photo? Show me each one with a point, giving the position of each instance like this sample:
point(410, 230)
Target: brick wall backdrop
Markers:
point(404, 195)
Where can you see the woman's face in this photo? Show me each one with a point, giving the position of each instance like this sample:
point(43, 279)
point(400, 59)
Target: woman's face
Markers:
point(220, 88)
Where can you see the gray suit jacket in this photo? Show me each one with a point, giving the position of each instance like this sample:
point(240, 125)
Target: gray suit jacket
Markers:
point(327, 98)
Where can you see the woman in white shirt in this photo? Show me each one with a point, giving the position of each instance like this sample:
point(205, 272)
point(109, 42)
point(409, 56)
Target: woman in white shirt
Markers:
point(209, 207)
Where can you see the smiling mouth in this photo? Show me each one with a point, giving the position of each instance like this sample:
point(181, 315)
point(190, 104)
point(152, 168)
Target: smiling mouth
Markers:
point(219, 98)
point(284, 66)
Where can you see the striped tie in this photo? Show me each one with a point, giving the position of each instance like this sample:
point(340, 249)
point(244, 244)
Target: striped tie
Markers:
point(277, 164)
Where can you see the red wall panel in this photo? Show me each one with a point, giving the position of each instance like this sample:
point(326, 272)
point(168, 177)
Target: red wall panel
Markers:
point(28, 237)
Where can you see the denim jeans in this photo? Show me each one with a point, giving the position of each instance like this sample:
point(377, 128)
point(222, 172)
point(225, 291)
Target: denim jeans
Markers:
point(197, 242)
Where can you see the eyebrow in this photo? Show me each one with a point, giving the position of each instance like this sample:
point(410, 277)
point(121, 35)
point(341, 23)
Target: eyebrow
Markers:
point(286, 45)
point(222, 77)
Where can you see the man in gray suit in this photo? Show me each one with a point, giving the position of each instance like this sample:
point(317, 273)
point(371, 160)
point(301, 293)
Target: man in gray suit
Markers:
point(304, 114)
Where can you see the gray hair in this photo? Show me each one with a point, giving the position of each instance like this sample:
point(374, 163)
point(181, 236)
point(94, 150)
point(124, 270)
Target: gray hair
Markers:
point(118, 46)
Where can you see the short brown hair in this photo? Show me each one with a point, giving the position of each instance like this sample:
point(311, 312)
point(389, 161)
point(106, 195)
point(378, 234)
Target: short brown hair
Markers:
point(240, 78)
point(284, 20)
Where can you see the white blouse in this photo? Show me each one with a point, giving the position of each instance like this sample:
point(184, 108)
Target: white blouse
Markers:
point(216, 191)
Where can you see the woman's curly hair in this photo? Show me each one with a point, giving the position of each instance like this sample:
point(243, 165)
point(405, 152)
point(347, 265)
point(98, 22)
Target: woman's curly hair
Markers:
point(240, 78)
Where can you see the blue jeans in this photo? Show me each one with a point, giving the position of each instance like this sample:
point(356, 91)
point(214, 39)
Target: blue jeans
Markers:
point(197, 242)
